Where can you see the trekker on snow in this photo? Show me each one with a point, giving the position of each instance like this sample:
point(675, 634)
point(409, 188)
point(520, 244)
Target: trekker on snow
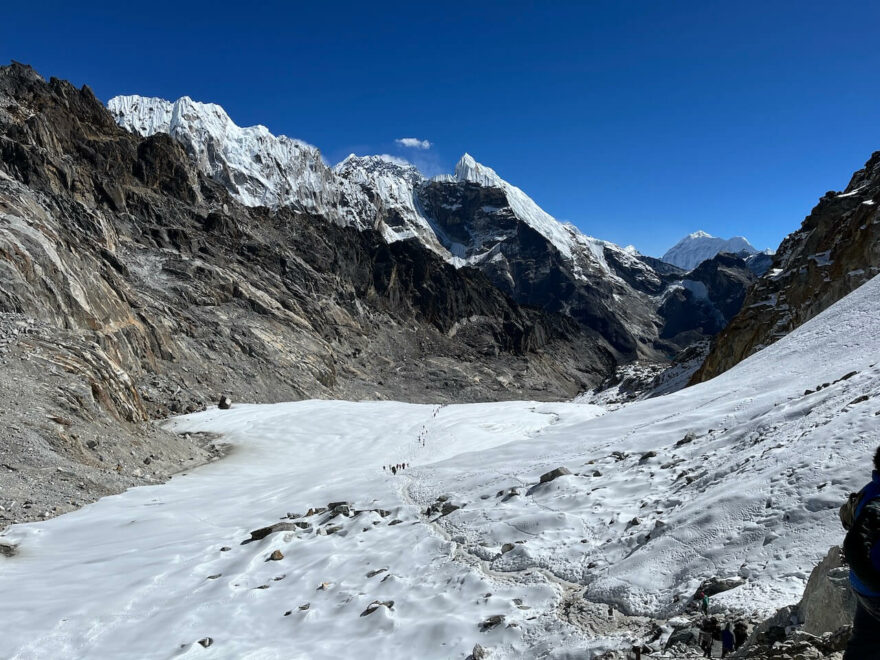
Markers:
point(861, 517)
point(726, 641)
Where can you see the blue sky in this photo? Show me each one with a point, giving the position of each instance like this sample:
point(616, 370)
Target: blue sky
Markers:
point(639, 121)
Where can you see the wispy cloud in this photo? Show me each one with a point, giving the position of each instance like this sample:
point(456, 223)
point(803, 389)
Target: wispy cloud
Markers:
point(413, 143)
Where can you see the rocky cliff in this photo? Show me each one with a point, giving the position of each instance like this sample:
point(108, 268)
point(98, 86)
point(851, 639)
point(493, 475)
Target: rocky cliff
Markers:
point(836, 250)
point(472, 217)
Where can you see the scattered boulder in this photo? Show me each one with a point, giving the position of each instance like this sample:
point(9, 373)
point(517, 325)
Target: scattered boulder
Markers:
point(8, 550)
point(647, 457)
point(507, 547)
point(715, 585)
point(263, 532)
point(305, 606)
point(276, 555)
point(688, 635)
point(225, 403)
point(492, 622)
point(554, 474)
point(372, 574)
point(206, 642)
point(479, 653)
point(448, 507)
point(687, 439)
point(376, 604)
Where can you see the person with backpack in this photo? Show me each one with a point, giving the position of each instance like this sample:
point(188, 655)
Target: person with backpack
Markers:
point(860, 516)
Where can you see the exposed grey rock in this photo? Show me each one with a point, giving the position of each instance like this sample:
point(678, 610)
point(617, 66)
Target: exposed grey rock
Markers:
point(225, 403)
point(206, 642)
point(376, 604)
point(263, 532)
point(828, 603)
point(492, 622)
point(554, 474)
point(449, 507)
point(717, 585)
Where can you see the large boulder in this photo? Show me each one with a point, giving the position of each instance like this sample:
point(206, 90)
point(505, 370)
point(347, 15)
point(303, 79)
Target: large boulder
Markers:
point(828, 603)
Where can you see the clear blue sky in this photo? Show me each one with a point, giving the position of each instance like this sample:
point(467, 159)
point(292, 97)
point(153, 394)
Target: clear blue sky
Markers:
point(639, 121)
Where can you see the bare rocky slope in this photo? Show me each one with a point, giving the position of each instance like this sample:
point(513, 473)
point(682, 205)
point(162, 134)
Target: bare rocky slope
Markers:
point(132, 286)
point(836, 250)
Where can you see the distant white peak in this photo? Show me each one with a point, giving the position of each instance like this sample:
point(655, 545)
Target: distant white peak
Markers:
point(699, 246)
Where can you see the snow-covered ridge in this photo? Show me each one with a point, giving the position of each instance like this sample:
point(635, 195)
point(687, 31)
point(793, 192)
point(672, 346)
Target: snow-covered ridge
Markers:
point(381, 192)
point(391, 185)
point(261, 169)
point(257, 167)
point(695, 248)
point(467, 169)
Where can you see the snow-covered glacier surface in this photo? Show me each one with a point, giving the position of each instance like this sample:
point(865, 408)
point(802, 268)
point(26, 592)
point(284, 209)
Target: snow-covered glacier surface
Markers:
point(740, 476)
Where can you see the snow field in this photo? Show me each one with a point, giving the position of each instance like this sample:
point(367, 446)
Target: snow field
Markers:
point(737, 477)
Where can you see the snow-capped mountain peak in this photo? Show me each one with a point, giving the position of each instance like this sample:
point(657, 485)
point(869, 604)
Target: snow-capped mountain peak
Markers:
point(469, 170)
point(695, 248)
point(257, 167)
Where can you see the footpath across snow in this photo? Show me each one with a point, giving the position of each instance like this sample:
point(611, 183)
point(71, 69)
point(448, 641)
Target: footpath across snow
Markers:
point(737, 477)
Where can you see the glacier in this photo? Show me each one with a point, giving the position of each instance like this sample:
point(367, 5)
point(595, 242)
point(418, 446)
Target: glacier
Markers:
point(737, 477)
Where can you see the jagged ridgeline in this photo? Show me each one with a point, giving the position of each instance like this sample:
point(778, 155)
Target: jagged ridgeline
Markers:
point(469, 218)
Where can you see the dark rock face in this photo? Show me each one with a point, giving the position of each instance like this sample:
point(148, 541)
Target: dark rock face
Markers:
point(710, 296)
point(475, 220)
point(836, 250)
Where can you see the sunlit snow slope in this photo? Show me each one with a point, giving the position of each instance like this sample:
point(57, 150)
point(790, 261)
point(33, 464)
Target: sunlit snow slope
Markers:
point(748, 473)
